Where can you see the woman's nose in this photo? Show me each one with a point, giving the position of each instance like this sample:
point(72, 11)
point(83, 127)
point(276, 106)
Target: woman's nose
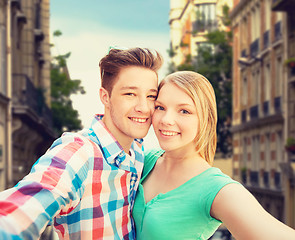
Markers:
point(168, 118)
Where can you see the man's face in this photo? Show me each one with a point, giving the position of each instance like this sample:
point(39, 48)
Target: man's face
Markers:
point(131, 104)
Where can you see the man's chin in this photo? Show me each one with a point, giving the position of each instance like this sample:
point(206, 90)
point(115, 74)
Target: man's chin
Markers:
point(140, 135)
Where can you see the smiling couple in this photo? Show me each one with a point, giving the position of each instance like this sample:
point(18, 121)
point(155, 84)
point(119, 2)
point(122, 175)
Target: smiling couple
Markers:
point(98, 183)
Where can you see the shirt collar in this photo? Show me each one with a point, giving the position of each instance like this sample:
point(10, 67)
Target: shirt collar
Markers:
point(111, 149)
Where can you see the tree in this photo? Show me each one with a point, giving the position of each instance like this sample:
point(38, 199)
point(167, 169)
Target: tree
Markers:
point(214, 60)
point(65, 117)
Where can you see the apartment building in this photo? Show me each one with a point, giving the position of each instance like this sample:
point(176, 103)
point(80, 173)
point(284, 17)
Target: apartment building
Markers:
point(26, 122)
point(263, 38)
point(5, 96)
point(190, 21)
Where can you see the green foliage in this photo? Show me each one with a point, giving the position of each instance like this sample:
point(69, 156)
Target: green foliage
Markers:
point(214, 61)
point(65, 117)
point(290, 142)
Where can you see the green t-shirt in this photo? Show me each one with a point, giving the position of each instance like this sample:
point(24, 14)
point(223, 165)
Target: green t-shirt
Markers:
point(182, 213)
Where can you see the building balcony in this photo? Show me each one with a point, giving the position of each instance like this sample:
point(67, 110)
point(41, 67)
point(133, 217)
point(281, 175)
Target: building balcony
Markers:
point(244, 53)
point(15, 4)
point(288, 169)
point(283, 5)
point(29, 102)
point(39, 35)
point(256, 121)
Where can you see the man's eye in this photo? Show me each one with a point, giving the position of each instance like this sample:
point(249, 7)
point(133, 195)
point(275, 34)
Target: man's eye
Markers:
point(129, 94)
point(152, 96)
point(159, 108)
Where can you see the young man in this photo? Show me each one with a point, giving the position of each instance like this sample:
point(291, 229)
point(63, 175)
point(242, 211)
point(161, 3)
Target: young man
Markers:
point(85, 184)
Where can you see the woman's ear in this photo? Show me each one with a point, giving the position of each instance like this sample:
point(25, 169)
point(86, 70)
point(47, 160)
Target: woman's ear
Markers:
point(104, 96)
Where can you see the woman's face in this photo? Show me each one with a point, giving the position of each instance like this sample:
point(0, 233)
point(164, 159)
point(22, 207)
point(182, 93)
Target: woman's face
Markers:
point(175, 119)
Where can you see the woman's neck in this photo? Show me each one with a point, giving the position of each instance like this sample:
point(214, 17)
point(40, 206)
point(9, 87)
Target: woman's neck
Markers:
point(178, 158)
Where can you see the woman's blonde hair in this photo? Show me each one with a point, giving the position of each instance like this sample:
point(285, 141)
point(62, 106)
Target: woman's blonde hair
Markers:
point(202, 93)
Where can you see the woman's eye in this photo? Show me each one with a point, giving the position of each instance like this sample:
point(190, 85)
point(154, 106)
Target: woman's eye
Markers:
point(159, 108)
point(184, 111)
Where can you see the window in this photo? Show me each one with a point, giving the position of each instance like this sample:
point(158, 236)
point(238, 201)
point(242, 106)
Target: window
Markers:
point(255, 153)
point(279, 78)
point(255, 24)
point(267, 82)
point(205, 17)
point(2, 61)
point(255, 88)
point(267, 14)
point(245, 91)
point(244, 33)
point(37, 16)
point(267, 152)
point(279, 147)
point(245, 154)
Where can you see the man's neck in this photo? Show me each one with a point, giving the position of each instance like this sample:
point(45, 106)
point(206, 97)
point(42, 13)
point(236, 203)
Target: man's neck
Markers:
point(124, 141)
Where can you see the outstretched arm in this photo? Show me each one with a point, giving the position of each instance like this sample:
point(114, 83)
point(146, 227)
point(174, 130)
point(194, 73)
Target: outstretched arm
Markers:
point(245, 218)
point(54, 185)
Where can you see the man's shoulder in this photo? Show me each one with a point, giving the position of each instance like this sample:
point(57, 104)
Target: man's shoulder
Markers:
point(75, 141)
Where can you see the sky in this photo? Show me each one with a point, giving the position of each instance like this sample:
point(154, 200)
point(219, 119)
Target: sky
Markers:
point(90, 27)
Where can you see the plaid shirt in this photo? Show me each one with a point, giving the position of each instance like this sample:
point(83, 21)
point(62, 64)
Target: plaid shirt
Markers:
point(84, 184)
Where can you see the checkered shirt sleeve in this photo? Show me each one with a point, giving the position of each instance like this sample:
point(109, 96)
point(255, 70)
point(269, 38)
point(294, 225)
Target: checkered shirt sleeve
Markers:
point(83, 185)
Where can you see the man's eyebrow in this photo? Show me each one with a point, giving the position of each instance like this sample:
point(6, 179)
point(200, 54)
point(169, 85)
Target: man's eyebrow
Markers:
point(128, 88)
point(135, 88)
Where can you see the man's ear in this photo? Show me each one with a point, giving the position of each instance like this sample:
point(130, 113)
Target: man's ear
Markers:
point(104, 96)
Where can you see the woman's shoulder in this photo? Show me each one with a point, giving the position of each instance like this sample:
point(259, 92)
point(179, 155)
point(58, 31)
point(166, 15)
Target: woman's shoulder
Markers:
point(153, 153)
point(215, 175)
point(150, 158)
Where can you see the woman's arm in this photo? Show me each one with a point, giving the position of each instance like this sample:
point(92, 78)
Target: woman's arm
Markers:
point(245, 218)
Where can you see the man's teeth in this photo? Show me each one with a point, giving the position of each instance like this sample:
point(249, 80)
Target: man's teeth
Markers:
point(169, 133)
point(140, 120)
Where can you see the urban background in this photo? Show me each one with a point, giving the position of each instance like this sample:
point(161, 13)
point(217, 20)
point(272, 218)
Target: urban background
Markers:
point(246, 48)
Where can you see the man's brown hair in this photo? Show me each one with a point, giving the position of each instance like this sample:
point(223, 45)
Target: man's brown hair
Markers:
point(116, 59)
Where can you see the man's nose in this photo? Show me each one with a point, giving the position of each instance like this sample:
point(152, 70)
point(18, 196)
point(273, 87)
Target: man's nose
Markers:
point(143, 105)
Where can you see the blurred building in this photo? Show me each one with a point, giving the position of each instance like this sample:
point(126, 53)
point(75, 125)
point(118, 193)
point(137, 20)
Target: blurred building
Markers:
point(25, 118)
point(263, 102)
point(5, 96)
point(190, 21)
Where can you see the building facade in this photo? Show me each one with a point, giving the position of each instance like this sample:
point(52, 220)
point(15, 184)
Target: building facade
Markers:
point(190, 21)
point(26, 125)
point(5, 97)
point(261, 103)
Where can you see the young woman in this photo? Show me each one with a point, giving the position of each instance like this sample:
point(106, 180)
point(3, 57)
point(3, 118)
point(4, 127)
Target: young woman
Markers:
point(181, 196)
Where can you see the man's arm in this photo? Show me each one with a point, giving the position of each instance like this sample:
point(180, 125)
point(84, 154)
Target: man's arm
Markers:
point(54, 185)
